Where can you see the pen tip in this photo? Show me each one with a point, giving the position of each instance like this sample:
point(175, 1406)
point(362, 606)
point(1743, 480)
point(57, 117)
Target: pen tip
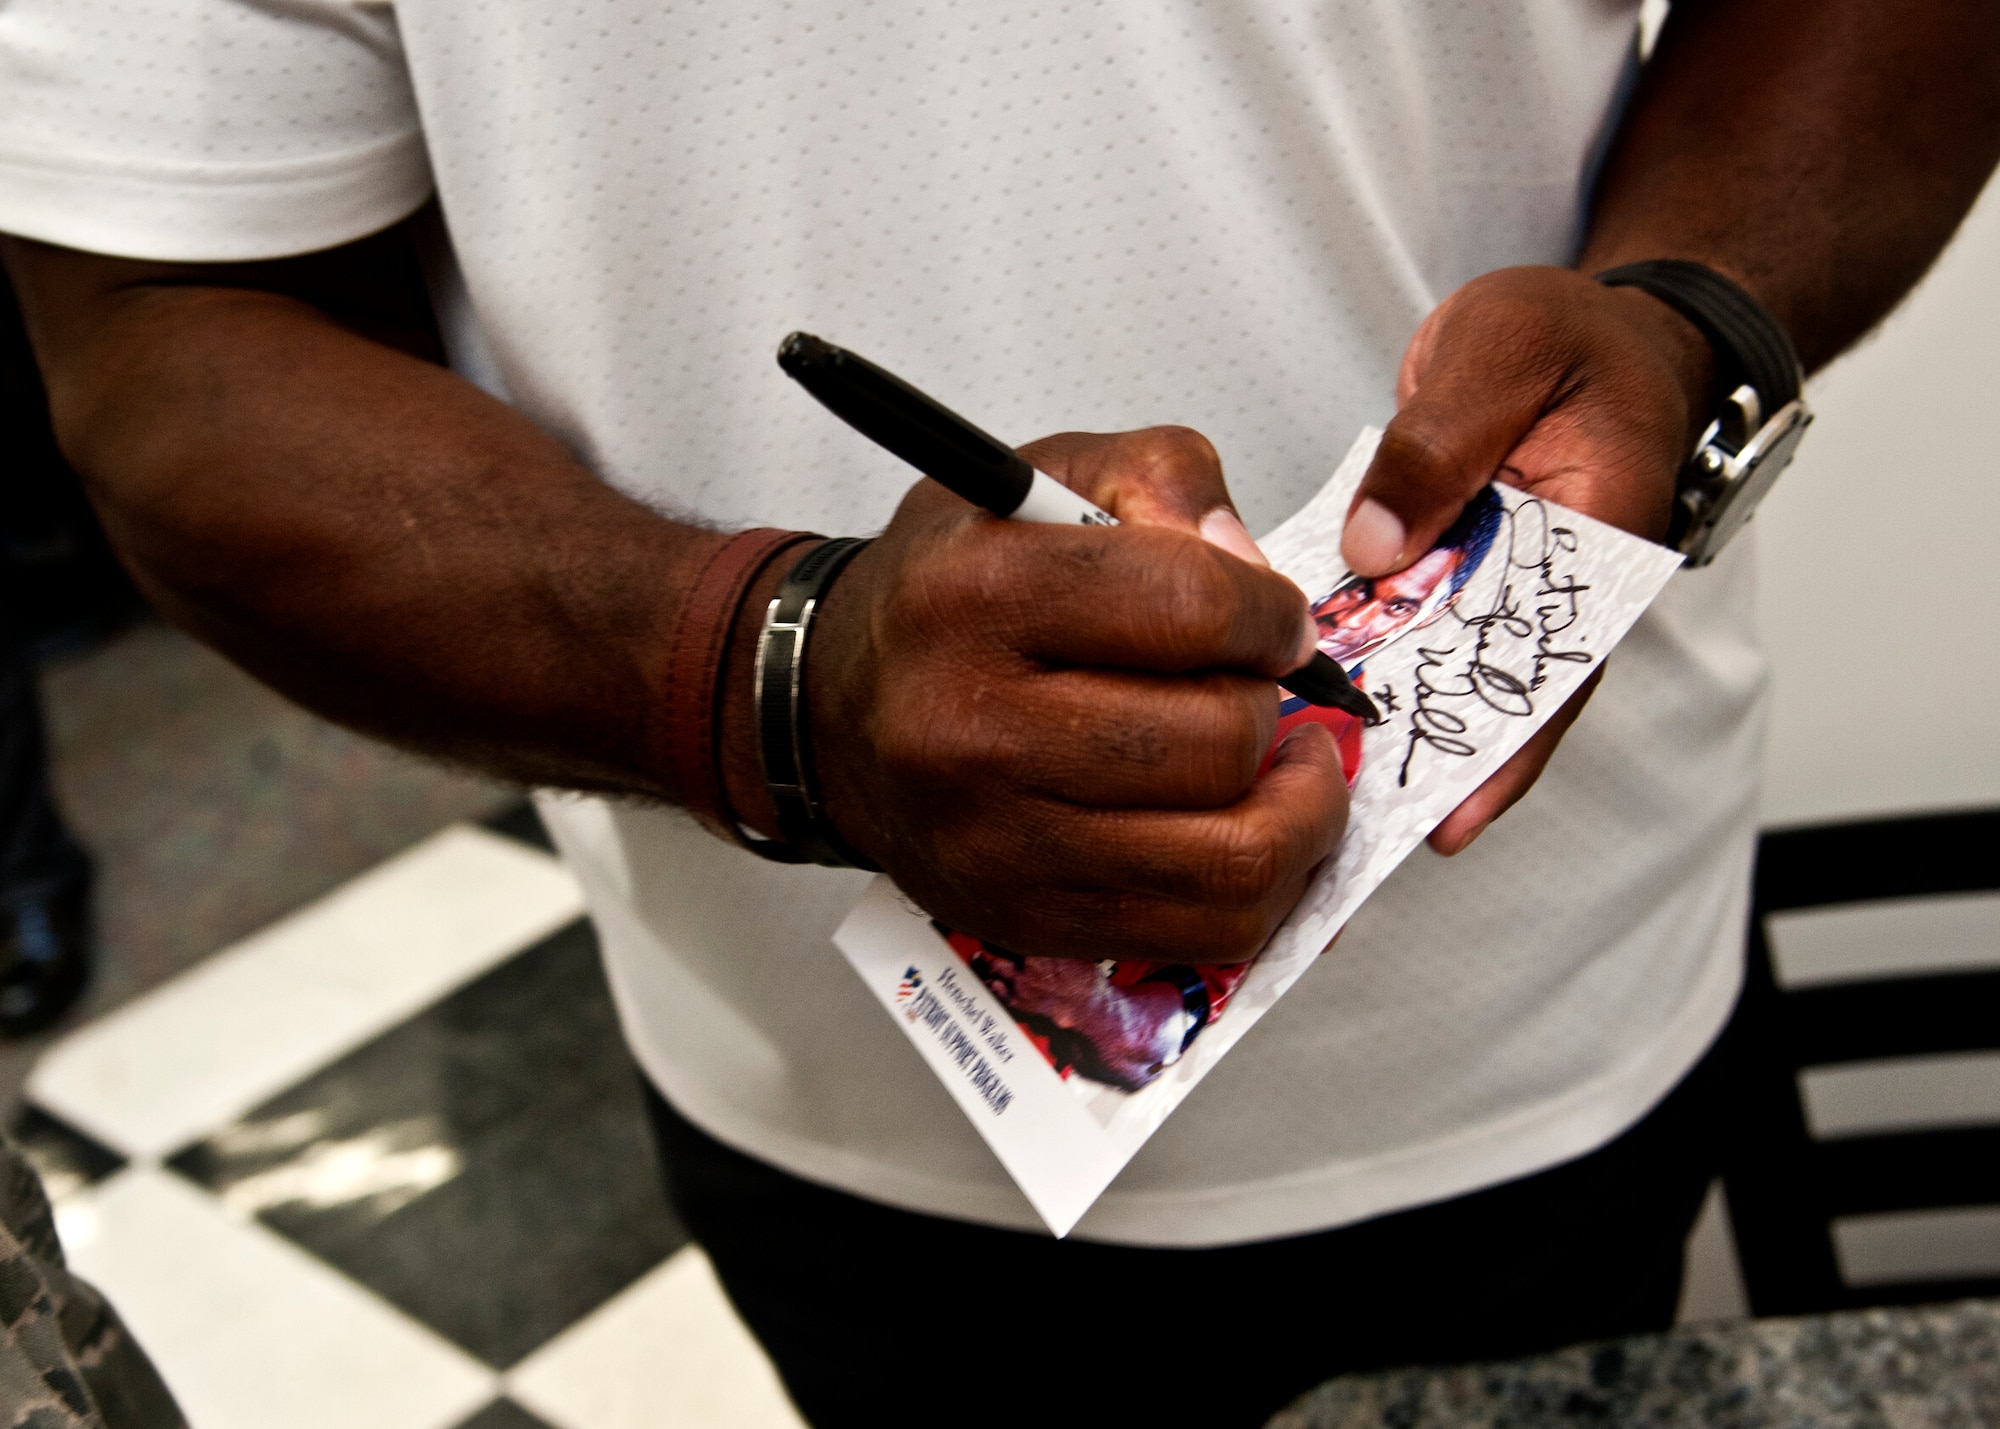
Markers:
point(1321, 681)
point(1354, 702)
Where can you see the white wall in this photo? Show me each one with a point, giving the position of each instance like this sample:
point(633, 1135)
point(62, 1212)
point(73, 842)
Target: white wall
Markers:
point(1881, 562)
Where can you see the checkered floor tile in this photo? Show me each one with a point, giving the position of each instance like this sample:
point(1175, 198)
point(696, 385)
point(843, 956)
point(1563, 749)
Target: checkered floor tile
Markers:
point(386, 1163)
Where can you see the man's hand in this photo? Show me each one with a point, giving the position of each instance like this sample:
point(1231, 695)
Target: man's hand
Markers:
point(1819, 154)
point(1050, 735)
point(1586, 395)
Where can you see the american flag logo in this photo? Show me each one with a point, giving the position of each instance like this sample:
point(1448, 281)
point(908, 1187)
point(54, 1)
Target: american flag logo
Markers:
point(907, 988)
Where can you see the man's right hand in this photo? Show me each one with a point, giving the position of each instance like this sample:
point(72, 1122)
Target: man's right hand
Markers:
point(1050, 735)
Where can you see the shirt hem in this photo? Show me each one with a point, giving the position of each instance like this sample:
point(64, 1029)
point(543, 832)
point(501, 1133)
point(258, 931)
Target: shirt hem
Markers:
point(1525, 1143)
point(994, 1205)
point(1532, 1140)
point(213, 213)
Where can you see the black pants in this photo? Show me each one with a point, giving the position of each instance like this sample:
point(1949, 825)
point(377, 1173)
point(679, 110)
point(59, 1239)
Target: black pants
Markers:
point(882, 1317)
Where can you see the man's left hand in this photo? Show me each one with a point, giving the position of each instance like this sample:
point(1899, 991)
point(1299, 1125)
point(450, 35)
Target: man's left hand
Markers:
point(1544, 379)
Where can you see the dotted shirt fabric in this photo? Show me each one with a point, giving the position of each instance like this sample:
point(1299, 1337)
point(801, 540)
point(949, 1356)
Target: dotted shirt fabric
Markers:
point(1091, 214)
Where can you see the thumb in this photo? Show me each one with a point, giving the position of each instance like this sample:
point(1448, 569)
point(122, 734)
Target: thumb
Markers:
point(1478, 377)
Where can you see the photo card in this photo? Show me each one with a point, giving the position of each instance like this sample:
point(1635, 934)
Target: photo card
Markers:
point(1067, 1066)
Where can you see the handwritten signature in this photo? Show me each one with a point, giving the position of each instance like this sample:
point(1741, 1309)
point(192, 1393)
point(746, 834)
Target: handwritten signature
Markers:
point(1514, 641)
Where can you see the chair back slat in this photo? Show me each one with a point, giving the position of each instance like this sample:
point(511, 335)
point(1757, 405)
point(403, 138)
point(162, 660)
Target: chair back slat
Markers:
point(1890, 1017)
point(1913, 857)
point(1908, 1171)
point(1785, 1189)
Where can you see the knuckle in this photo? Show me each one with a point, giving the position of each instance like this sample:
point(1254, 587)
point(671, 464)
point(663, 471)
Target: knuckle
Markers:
point(1225, 742)
point(1185, 449)
point(1168, 452)
point(1198, 605)
point(1231, 936)
point(1424, 455)
point(1245, 867)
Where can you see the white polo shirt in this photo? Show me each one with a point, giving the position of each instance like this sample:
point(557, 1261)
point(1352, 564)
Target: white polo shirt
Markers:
point(1094, 214)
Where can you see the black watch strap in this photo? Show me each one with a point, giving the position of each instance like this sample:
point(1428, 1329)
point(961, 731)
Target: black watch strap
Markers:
point(1759, 416)
point(1749, 344)
point(784, 744)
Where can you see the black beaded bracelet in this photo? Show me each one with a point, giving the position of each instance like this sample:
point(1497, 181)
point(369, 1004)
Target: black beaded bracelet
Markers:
point(784, 745)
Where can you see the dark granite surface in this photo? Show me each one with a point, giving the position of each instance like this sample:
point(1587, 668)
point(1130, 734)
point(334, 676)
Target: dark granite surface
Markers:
point(1934, 1367)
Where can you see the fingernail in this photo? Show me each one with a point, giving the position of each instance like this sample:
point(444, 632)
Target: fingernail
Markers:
point(1221, 527)
point(1373, 542)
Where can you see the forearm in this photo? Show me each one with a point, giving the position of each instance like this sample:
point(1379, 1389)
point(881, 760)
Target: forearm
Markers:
point(366, 531)
point(1820, 152)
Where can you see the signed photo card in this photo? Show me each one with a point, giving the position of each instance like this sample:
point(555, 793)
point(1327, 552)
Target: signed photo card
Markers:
point(1066, 1066)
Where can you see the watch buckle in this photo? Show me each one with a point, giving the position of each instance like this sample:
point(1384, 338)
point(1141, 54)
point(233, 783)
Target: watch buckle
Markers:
point(1734, 464)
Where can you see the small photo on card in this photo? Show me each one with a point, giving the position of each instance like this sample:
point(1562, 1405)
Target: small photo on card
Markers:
point(1114, 1024)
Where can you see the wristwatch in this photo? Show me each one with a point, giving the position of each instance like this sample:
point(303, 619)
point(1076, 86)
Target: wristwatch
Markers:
point(1762, 415)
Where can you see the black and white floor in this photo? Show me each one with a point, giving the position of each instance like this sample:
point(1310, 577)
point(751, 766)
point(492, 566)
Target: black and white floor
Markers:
point(385, 1163)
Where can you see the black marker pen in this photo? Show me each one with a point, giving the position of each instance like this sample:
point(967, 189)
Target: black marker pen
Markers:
point(987, 472)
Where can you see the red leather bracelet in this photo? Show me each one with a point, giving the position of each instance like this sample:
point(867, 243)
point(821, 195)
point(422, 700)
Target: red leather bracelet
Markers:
point(697, 657)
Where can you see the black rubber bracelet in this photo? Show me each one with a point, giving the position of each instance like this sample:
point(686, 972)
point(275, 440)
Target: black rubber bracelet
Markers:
point(1749, 344)
point(784, 745)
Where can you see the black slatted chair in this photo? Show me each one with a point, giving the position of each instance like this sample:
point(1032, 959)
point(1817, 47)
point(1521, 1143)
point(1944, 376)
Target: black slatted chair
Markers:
point(1785, 1188)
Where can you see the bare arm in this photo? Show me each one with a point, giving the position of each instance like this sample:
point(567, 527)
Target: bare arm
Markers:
point(292, 479)
point(1821, 154)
